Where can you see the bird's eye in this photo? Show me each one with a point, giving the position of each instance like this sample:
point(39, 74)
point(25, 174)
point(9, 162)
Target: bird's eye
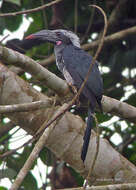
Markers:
point(58, 34)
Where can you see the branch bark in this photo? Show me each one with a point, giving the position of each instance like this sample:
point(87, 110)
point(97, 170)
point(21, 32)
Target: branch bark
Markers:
point(113, 38)
point(110, 105)
point(25, 106)
point(128, 186)
point(66, 138)
point(118, 108)
point(29, 65)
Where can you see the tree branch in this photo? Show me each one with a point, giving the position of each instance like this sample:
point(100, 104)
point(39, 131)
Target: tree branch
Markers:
point(25, 107)
point(30, 10)
point(29, 65)
point(32, 157)
point(66, 138)
point(118, 108)
point(128, 186)
point(110, 105)
point(113, 38)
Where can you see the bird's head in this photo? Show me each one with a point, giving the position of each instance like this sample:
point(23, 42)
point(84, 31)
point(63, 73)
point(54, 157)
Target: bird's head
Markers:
point(56, 37)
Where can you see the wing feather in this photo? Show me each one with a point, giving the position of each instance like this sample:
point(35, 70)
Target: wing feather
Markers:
point(77, 63)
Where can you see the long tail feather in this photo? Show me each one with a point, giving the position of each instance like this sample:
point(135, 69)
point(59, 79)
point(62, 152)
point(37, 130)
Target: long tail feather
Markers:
point(87, 134)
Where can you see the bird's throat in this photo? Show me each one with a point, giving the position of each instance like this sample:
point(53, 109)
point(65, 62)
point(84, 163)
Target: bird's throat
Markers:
point(58, 43)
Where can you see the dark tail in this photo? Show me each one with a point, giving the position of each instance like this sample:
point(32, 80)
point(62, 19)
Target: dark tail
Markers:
point(87, 134)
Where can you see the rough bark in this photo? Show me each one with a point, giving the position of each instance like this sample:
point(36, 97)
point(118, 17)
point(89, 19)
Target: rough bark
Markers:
point(66, 139)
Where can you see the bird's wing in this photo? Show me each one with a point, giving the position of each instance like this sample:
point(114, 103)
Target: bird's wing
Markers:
point(77, 63)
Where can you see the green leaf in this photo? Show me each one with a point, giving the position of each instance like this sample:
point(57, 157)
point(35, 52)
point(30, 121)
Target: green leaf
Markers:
point(47, 157)
point(131, 100)
point(102, 117)
point(78, 177)
point(16, 2)
point(2, 24)
point(3, 188)
point(30, 182)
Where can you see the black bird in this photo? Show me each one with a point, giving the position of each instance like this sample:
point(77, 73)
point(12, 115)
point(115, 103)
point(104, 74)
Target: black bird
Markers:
point(74, 63)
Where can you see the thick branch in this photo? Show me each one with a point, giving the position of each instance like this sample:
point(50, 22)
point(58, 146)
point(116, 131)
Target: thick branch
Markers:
point(128, 186)
point(110, 105)
point(49, 60)
point(113, 38)
point(66, 138)
point(40, 73)
point(25, 107)
point(14, 90)
point(118, 108)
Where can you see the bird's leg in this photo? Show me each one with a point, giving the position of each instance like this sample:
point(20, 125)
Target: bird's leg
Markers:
point(74, 90)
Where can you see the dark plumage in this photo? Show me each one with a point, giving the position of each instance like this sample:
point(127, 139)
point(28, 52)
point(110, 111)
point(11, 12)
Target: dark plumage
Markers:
point(77, 63)
point(74, 63)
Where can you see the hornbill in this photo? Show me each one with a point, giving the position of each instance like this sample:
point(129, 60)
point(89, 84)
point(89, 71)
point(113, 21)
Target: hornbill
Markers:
point(74, 63)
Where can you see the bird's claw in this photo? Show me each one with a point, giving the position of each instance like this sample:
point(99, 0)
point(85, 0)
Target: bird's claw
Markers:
point(73, 88)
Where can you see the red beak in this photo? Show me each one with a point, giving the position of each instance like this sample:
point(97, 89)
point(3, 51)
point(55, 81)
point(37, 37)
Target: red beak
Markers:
point(30, 37)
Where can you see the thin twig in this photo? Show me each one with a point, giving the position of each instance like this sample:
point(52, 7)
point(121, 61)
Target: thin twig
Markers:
point(89, 25)
point(28, 164)
point(76, 16)
point(40, 130)
point(34, 154)
point(10, 152)
point(111, 39)
point(45, 21)
point(30, 10)
point(98, 51)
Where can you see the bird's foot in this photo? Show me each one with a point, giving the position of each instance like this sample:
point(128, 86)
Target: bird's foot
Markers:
point(72, 88)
